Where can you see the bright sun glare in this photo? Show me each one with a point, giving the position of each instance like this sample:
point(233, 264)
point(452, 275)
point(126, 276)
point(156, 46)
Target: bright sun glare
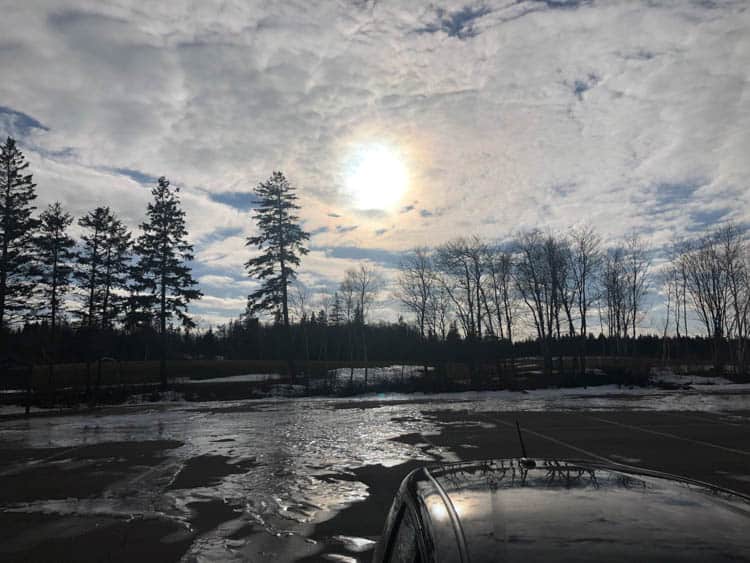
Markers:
point(376, 177)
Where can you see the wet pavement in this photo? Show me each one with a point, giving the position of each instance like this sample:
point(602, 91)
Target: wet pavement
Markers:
point(312, 479)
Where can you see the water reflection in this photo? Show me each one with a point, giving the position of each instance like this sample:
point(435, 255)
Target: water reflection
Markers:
point(302, 454)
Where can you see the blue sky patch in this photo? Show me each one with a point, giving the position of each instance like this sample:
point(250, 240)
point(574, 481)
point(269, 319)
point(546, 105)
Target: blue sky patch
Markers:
point(18, 124)
point(239, 200)
point(459, 24)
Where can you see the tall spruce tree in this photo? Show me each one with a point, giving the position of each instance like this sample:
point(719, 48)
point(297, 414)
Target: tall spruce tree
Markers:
point(17, 228)
point(54, 259)
point(103, 267)
point(281, 243)
point(162, 279)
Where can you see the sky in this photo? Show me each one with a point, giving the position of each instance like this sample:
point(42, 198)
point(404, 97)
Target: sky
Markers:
point(474, 118)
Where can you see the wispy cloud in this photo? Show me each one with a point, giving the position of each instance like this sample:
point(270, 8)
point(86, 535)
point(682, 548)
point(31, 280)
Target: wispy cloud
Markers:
point(625, 115)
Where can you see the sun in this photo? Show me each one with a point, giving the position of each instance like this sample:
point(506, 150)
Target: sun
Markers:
point(375, 177)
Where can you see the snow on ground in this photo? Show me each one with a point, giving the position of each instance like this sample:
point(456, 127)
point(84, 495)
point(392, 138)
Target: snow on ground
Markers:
point(599, 398)
point(667, 376)
point(242, 378)
point(342, 377)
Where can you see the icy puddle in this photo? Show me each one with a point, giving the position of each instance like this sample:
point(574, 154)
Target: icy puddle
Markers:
point(251, 479)
point(272, 466)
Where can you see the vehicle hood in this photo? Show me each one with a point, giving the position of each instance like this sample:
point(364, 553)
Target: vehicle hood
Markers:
point(566, 511)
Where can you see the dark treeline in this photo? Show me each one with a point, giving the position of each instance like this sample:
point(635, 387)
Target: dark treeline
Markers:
point(552, 295)
point(313, 340)
point(106, 294)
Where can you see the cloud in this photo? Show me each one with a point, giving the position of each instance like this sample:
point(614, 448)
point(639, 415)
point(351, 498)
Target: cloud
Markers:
point(623, 115)
point(346, 228)
point(214, 280)
point(377, 255)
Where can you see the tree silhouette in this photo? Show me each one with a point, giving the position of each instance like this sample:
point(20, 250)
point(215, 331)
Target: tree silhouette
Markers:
point(17, 228)
point(103, 267)
point(55, 257)
point(161, 277)
point(281, 243)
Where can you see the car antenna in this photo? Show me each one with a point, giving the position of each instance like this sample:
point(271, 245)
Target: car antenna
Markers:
point(525, 461)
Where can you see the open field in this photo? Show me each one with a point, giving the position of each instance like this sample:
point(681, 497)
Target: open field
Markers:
point(113, 382)
point(300, 479)
point(131, 372)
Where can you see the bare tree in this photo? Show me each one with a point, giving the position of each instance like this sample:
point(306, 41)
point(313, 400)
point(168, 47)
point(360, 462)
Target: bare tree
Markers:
point(585, 264)
point(439, 314)
point(415, 286)
point(360, 289)
point(362, 285)
point(299, 303)
point(676, 281)
point(614, 298)
point(708, 285)
point(499, 294)
point(625, 283)
point(670, 281)
point(561, 260)
point(716, 270)
point(637, 266)
point(299, 300)
point(461, 269)
point(735, 255)
point(535, 280)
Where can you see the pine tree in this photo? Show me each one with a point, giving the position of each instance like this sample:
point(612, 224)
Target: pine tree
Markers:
point(103, 267)
point(281, 243)
point(337, 314)
point(162, 280)
point(17, 228)
point(54, 260)
point(55, 256)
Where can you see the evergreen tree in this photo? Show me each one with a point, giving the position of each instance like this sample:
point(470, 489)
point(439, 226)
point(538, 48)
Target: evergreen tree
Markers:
point(17, 228)
point(337, 314)
point(55, 256)
point(162, 280)
point(103, 267)
point(281, 243)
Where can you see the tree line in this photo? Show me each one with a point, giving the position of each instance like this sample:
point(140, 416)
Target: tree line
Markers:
point(546, 293)
point(108, 280)
point(554, 290)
